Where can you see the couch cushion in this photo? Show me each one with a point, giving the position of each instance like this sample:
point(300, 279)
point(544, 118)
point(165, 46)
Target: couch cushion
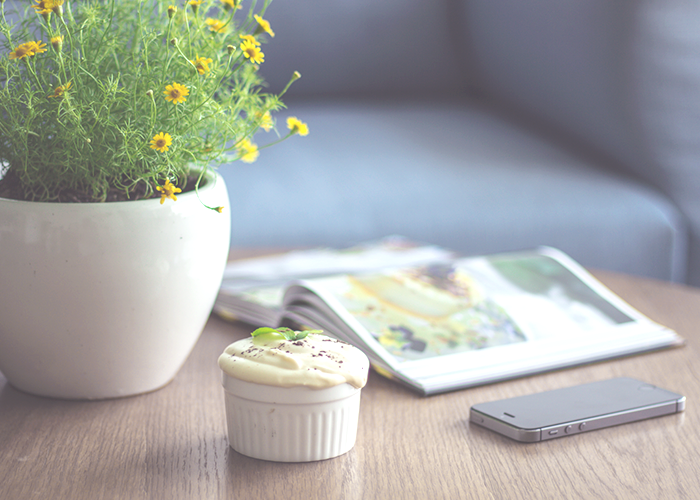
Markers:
point(452, 174)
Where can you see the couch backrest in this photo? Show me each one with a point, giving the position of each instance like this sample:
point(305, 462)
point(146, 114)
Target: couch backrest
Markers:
point(365, 47)
point(615, 74)
point(565, 62)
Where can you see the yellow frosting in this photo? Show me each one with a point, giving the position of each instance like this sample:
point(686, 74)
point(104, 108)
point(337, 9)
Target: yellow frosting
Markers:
point(316, 361)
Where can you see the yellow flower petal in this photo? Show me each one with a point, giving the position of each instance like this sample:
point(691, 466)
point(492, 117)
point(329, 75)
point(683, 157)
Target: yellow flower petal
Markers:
point(60, 90)
point(168, 190)
point(265, 121)
point(230, 4)
point(264, 26)
point(28, 49)
point(176, 93)
point(252, 52)
point(248, 151)
point(215, 25)
point(297, 126)
point(249, 38)
point(161, 141)
point(202, 64)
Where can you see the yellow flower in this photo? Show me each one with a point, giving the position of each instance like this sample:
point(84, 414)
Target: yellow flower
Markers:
point(42, 8)
point(202, 64)
point(194, 4)
point(176, 93)
point(172, 10)
point(21, 52)
point(168, 190)
point(47, 6)
point(57, 42)
point(249, 38)
point(28, 49)
point(60, 90)
point(248, 151)
point(160, 142)
point(230, 4)
point(215, 25)
point(264, 26)
point(252, 52)
point(265, 121)
point(297, 126)
point(37, 47)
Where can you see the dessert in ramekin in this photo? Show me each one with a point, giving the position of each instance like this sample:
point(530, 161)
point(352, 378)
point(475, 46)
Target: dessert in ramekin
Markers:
point(292, 396)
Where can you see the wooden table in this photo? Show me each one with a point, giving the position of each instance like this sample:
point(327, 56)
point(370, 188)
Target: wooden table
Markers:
point(172, 443)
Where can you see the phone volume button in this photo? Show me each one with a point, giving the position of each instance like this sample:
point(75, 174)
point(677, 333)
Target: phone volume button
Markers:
point(567, 429)
point(582, 426)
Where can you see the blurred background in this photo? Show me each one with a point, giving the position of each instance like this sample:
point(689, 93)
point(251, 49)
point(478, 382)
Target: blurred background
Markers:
point(484, 126)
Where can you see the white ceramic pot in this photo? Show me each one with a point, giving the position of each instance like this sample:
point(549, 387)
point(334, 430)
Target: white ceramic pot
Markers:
point(103, 300)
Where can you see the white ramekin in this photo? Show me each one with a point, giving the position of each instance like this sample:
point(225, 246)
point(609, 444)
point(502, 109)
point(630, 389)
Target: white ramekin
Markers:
point(290, 424)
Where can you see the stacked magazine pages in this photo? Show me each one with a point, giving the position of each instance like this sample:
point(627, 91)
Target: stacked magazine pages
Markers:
point(437, 322)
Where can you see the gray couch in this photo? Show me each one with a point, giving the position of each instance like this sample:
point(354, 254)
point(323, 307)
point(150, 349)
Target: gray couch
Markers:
point(485, 126)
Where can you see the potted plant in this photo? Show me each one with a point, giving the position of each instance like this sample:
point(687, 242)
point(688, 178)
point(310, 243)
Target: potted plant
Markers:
point(113, 224)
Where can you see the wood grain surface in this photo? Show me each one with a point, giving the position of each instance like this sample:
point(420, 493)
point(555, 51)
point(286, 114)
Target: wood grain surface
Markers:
point(172, 443)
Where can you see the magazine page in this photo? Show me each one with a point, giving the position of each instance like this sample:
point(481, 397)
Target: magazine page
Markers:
point(482, 319)
point(252, 289)
point(255, 305)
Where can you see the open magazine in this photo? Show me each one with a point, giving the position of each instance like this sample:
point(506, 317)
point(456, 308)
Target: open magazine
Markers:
point(459, 322)
point(252, 289)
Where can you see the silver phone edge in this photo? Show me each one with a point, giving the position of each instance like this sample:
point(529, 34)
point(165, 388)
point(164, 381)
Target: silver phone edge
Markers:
point(576, 426)
point(516, 433)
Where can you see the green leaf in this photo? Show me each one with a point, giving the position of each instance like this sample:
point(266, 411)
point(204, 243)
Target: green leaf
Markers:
point(263, 330)
point(301, 335)
point(285, 332)
point(298, 335)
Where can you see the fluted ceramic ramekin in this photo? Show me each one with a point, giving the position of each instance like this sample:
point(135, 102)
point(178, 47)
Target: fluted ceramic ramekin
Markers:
point(290, 424)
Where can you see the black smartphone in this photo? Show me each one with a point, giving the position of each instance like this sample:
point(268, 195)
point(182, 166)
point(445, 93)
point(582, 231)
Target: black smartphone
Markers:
point(572, 410)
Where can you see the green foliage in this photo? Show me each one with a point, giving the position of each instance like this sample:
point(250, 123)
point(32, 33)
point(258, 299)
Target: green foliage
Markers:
point(286, 333)
point(83, 111)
